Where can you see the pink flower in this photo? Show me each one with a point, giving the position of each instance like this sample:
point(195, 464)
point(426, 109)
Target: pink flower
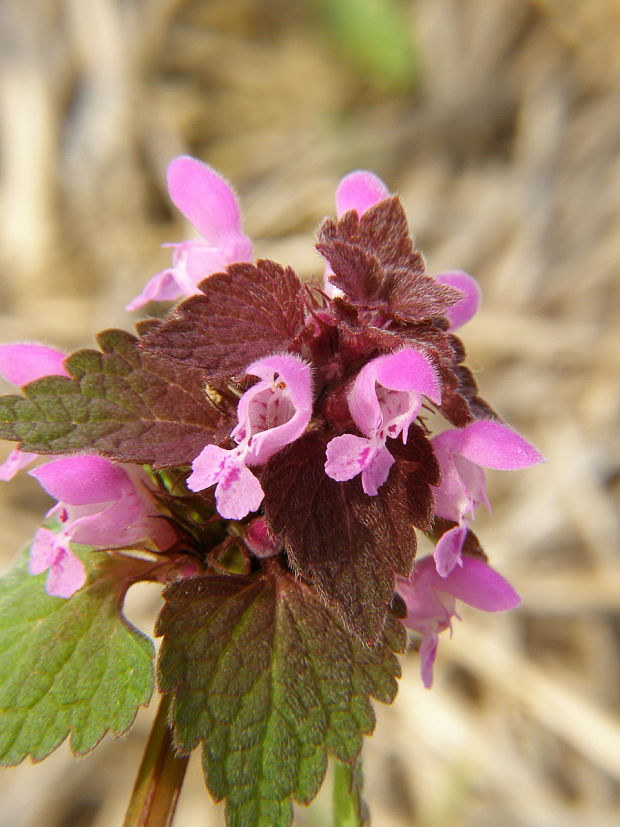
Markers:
point(100, 503)
point(431, 601)
point(462, 311)
point(385, 399)
point(359, 191)
point(272, 413)
point(21, 363)
point(209, 203)
point(462, 453)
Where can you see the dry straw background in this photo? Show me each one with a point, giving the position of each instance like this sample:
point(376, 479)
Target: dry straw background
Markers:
point(498, 123)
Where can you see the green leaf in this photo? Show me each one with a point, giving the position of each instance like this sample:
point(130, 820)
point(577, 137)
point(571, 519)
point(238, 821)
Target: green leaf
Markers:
point(270, 680)
point(119, 402)
point(69, 666)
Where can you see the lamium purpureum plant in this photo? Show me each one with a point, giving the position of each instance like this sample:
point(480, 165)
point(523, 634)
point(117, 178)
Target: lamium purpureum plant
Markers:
point(264, 450)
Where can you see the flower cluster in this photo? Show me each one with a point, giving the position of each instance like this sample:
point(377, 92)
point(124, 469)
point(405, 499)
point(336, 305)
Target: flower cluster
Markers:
point(99, 502)
point(302, 416)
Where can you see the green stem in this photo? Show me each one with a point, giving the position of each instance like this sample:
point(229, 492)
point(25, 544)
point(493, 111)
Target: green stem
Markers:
point(348, 806)
point(160, 777)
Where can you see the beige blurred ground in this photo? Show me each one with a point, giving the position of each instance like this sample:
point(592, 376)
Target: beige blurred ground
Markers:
point(504, 142)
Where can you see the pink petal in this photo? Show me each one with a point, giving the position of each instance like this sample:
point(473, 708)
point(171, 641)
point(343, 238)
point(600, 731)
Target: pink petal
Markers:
point(377, 471)
point(403, 370)
point(492, 445)
point(207, 467)
point(15, 461)
point(67, 575)
point(452, 499)
point(474, 480)
point(204, 198)
point(162, 287)
point(480, 586)
point(428, 653)
point(122, 522)
point(42, 551)
point(160, 532)
point(431, 600)
point(359, 191)
point(462, 312)
point(202, 261)
point(126, 521)
point(426, 611)
point(347, 456)
point(287, 380)
point(23, 363)
point(238, 492)
point(292, 370)
point(408, 370)
point(448, 550)
point(83, 479)
point(258, 539)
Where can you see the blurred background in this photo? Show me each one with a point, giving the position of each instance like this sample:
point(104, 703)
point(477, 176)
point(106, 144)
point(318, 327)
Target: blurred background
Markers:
point(499, 125)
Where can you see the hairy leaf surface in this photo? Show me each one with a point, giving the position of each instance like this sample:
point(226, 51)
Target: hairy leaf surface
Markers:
point(349, 545)
point(246, 313)
point(120, 403)
point(266, 676)
point(374, 261)
point(69, 667)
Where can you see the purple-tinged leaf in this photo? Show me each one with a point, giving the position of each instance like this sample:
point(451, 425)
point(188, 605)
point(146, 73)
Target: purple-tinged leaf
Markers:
point(414, 296)
point(382, 231)
point(246, 313)
point(375, 264)
point(120, 403)
point(356, 271)
point(266, 676)
point(349, 545)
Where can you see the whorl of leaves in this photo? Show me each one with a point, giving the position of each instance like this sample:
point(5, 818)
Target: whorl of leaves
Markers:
point(375, 263)
point(377, 267)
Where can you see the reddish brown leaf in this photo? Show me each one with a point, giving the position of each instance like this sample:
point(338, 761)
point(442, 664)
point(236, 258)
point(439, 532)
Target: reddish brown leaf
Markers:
point(248, 312)
point(348, 545)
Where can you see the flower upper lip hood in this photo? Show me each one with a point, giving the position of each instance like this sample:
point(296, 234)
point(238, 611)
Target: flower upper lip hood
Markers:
point(359, 190)
point(272, 413)
point(210, 205)
point(385, 398)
